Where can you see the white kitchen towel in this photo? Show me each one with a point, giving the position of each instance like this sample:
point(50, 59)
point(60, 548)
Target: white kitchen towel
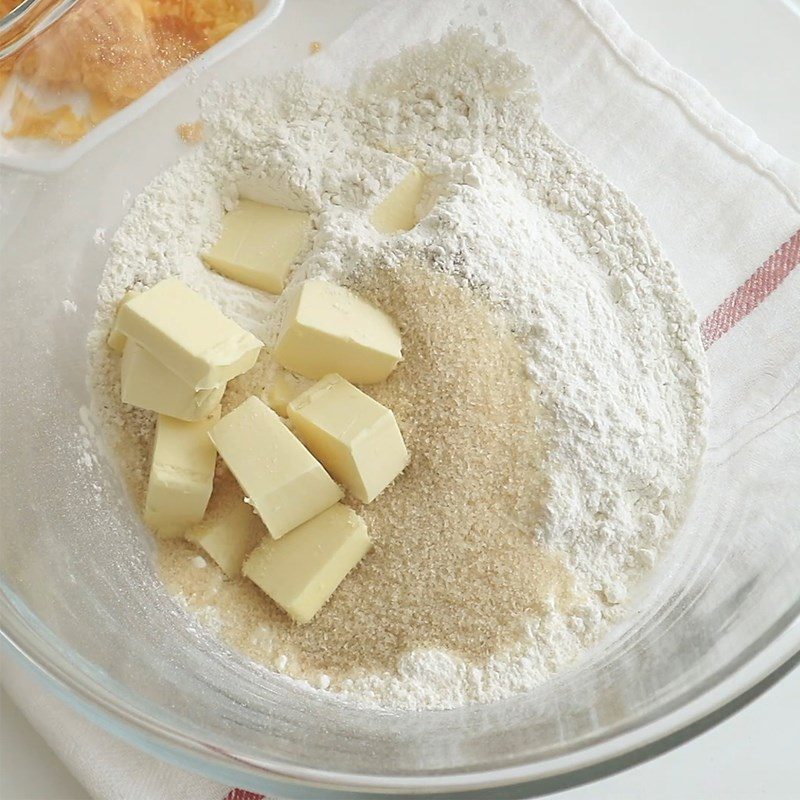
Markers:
point(109, 768)
point(725, 206)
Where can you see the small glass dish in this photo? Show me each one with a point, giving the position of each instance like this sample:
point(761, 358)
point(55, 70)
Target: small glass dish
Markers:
point(65, 23)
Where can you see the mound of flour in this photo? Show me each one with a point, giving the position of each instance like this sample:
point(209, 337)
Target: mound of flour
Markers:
point(610, 340)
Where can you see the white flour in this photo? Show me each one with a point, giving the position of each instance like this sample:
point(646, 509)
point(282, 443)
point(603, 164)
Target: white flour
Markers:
point(511, 212)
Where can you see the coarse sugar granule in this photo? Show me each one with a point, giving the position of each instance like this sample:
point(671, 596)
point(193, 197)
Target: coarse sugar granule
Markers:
point(191, 132)
point(455, 564)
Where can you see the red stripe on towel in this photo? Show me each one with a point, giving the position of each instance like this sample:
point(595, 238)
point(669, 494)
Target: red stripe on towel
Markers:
point(737, 305)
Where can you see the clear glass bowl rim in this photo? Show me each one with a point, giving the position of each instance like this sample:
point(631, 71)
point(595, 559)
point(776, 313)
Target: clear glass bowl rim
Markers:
point(668, 725)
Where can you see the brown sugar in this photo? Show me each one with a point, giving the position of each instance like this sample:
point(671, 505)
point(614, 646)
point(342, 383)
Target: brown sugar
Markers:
point(60, 124)
point(455, 564)
point(191, 132)
point(113, 51)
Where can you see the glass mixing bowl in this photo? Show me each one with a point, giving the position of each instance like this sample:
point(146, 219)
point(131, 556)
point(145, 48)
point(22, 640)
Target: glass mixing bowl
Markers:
point(81, 604)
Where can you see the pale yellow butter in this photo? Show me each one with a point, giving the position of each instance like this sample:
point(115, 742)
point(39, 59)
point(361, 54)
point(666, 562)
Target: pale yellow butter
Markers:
point(181, 474)
point(259, 244)
point(284, 389)
point(302, 570)
point(398, 210)
point(355, 437)
point(147, 383)
point(188, 335)
point(116, 339)
point(285, 483)
point(328, 329)
point(229, 534)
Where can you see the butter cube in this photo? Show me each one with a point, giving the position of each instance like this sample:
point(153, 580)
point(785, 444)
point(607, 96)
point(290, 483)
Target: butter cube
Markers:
point(355, 437)
point(147, 383)
point(228, 534)
point(258, 244)
point(188, 335)
point(116, 339)
point(284, 389)
point(302, 570)
point(329, 329)
point(181, 474)
point(398, 210)
point(284, 482)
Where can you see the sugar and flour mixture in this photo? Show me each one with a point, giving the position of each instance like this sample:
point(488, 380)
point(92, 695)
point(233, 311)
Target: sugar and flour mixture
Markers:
point(448, 522)
point(552, 393)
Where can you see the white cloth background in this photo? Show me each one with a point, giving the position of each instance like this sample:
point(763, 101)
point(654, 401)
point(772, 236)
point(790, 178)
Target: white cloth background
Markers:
point(719, 200)
point(109, 768)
